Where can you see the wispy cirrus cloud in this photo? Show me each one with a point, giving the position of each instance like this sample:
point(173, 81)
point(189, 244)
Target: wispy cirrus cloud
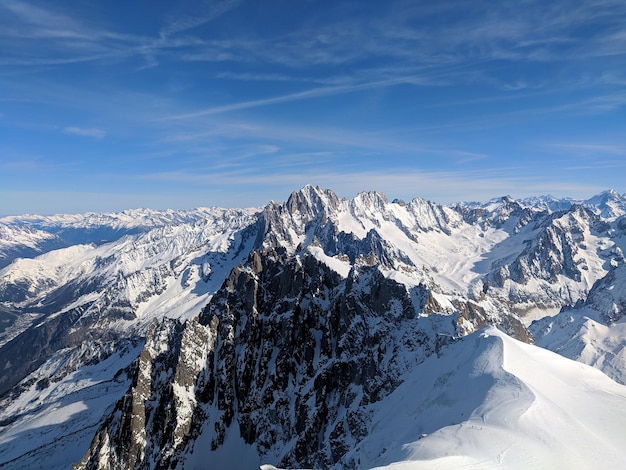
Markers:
point(85, 132)
point(205, 94)
point(48, 24)
point(205, 11)
point(36, 36)
point(379, 45)
point(539, 31)
point(587, 148)
point(438, 186)
point(302, 95)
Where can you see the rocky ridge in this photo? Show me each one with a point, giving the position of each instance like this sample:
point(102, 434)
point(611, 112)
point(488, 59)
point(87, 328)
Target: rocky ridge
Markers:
point(317, 307)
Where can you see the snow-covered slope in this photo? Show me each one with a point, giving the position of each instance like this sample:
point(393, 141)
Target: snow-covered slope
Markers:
point(485, 401)
point(491, 402)
point(23, 242)
point(115, 290)
point(27, 236)
point(594, 331)
point(488, 402)
point(281, 334)
point(51, 419)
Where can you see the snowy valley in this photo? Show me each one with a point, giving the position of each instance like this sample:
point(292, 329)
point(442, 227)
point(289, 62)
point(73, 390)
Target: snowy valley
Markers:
point(319, 332)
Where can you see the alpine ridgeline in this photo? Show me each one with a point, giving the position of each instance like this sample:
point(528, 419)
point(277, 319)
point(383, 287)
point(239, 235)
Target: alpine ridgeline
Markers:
point(216, 337)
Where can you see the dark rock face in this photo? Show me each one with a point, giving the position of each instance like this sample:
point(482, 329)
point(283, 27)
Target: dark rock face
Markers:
point(334, 303)
point(24, 353)
point(288, 355)
point(608, 295)
point(551, 252)
point(312, 336)
point(101, 303)
point(155, 418)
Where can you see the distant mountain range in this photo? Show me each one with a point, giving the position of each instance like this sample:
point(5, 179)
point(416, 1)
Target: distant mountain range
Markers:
point(317, 333)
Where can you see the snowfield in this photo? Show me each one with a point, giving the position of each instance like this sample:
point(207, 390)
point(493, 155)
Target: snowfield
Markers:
point(489, 401)
point(241, 336)
point(51, 423)
point(492, 402)
point(485, 402)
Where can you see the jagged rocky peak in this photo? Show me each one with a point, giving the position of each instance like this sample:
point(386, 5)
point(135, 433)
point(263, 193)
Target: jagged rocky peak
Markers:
point(502, 212)
point(286, 224)
point(550, 254)
point(511, 209)
point(348, 226)
point(311, 201)
point(607, 297)
point(154, 420)
point(306, 314)
point(562, 250)
point(294, 355)
point(548, 203)
point(371, 199)
point(418, 215)
point(610, 204)
point(582, 212)
point(431, 216)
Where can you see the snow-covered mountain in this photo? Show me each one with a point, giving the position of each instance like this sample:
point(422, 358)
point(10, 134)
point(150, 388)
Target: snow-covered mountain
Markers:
point(27, 236)
point(493, 402)
point(67, 296)
point(593, 331)
point(18, 241)
point(609, 204)
point(173, 339)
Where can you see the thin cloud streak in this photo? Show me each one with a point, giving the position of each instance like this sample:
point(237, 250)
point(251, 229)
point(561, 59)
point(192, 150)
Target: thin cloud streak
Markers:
point(397, 44)
point(209, 11)
point(302, 95)
point(591, 148)
point(438, 186)
point(85, 132)
point(207, 90)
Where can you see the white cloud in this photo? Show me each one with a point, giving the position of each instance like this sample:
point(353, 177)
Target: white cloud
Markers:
point(587, 148)
point(438, 186)
point(302, 95)
point(208, 11)
point(85, 132)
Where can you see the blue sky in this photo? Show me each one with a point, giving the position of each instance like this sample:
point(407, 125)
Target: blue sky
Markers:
point(110, 105)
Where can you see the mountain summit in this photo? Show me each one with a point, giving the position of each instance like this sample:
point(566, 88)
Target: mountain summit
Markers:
point(316, 332)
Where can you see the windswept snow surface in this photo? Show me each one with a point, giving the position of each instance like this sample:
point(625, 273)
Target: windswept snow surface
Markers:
point(341, 267)
point(484, 401)
point(491, 402)
point(167, 271)
point(583, 336)
point(50, 424)
point(593, 332)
